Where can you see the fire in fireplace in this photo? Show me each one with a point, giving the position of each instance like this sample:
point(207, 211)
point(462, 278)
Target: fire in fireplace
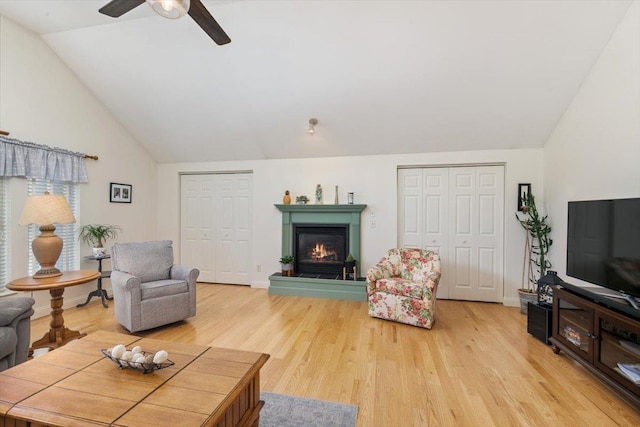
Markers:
point(320, 249)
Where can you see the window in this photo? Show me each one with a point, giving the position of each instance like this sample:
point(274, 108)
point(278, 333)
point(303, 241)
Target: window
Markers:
point(69, 258)
point(4, 232)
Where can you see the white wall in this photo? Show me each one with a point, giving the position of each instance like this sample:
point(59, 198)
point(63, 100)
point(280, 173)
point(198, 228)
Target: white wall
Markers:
point(42, 101)
point(594, 152)
point(373, 179)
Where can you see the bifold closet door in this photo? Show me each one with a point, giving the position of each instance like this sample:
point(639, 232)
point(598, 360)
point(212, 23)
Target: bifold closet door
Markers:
point(423, 219)
point(476, 210)
point(460, 213)
point(197, 225)
point(216, 226)
point(233, 223)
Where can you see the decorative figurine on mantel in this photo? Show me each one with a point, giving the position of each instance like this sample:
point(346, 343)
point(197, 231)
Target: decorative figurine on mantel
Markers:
point(287, 198)
point(336, 201)
point(318, 194)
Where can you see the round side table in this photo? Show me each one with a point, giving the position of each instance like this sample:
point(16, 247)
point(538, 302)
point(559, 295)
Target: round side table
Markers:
point(58, 334)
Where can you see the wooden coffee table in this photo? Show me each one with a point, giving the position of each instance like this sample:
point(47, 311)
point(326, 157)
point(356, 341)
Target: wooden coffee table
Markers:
point(76, 385)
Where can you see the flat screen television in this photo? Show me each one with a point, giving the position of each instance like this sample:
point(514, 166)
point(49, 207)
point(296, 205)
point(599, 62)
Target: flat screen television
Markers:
point(603, 244)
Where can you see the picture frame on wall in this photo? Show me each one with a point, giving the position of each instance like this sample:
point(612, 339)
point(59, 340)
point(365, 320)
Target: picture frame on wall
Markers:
point(523, 193)
point(120, 193)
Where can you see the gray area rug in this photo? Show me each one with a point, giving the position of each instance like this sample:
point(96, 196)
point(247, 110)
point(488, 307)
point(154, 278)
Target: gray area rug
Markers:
point(290, 411)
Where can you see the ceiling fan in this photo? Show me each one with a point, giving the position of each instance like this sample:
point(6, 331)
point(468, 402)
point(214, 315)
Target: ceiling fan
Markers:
point(172, 9)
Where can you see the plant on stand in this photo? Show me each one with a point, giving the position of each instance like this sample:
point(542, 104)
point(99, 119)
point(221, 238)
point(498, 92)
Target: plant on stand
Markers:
point(96, 235)
point(286, 262)
point(536, 250)
point(349, 268)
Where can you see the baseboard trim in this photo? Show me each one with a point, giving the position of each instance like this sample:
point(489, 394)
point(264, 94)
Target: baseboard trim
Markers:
point(45, 310)
point(511, 302)
point(260, 284)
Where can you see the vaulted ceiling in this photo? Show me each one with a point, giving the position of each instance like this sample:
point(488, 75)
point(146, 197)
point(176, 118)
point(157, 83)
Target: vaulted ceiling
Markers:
point(380, 76)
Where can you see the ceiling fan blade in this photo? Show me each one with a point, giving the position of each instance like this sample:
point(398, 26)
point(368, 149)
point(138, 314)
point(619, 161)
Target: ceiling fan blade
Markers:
point(116, 8)
point(201, 15)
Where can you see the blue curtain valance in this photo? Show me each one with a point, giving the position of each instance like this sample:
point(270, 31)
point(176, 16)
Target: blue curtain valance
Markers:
point(30, 160)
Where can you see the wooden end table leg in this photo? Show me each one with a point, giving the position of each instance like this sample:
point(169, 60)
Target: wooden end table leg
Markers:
point(58, 334)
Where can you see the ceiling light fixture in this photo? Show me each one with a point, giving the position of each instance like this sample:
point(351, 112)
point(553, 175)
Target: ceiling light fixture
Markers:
point(172, 9)
point(312, 123)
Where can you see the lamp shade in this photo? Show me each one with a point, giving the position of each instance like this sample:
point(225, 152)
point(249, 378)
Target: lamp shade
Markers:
point(44, 209)
point(172, 9)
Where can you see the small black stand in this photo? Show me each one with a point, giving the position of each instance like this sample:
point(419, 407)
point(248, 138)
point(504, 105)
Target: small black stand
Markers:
point(99, 292)
point(539, 321)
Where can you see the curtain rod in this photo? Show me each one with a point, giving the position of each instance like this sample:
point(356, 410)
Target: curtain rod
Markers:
point(86, 156)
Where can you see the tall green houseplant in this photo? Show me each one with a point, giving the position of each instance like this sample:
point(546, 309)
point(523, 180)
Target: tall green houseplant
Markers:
point(538, 244)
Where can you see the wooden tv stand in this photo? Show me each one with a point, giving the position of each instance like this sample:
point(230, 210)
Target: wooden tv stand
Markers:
point(592, 329)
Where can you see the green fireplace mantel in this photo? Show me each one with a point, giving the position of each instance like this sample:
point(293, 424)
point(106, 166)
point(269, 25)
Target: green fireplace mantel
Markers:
point(313, 287)
point(321, 208)
point(322, 214)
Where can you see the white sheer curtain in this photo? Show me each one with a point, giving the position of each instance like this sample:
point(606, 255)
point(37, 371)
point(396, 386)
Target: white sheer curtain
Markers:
point(30, 160)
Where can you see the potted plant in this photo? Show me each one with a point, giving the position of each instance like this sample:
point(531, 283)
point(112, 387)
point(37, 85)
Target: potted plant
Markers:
point(349, 267)
point(537, 244)
point(286, 262)
point(302, 200)
point(96, 235)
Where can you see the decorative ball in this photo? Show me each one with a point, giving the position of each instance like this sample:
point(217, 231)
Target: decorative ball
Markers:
point(117, 351)
point(136, 363)
point(160, 357)
point(126, 355)
point(148, 359)
point(136, 356)
point(136, 349)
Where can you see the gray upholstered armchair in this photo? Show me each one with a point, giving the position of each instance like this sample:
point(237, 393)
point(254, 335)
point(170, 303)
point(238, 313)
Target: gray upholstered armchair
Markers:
point(15, 330)
point(148, 290)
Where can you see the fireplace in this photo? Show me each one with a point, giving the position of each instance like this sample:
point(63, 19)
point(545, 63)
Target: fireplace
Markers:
point(320, 237)
point(320, 249)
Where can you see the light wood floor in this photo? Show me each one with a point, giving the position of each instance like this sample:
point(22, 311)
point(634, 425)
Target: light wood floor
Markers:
point(476, 367)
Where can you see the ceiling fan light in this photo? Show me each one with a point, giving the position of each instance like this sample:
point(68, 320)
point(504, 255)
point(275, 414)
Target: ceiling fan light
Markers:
point(172, 9)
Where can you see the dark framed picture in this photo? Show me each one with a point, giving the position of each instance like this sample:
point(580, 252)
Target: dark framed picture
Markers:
point(120, 193)
point(523, 193)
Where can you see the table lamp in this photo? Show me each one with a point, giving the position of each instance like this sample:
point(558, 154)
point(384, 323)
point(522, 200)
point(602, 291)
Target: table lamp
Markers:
point(45, 210)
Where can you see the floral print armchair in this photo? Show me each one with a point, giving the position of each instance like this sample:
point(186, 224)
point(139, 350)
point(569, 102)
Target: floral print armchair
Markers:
point(402, 287)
